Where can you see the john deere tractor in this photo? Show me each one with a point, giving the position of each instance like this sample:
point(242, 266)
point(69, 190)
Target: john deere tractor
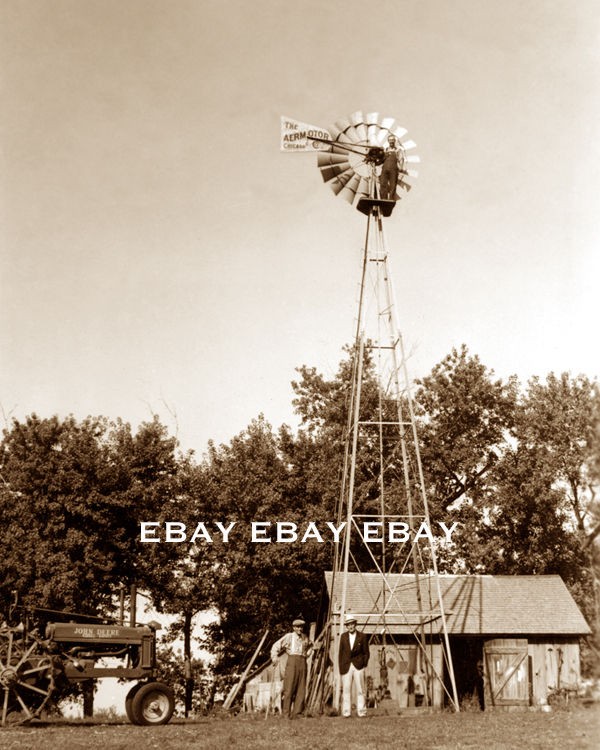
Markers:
point(38, 662)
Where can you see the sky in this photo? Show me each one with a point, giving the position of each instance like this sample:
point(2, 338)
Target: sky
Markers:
point(160, 254)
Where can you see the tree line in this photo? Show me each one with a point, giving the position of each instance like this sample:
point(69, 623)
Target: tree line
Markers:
point(518, 466)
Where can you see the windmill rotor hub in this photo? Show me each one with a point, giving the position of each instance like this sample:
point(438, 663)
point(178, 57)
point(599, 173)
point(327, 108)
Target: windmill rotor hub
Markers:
point(375, 155)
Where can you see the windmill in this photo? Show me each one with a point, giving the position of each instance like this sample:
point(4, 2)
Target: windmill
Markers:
point(383, 487)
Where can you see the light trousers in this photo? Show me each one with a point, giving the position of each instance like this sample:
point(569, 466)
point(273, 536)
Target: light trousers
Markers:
point(352, 677)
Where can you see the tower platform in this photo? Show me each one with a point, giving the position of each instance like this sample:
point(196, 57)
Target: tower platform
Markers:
point(368, 205)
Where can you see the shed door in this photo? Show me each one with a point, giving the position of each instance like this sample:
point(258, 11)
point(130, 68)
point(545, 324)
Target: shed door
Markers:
point(506, 672)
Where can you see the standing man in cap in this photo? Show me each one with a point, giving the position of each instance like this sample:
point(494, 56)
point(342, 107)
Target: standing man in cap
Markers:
point(297, 647)
point(353, 658)
point(393, 163)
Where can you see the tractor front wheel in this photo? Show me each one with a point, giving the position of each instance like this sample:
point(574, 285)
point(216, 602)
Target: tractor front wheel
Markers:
point(152, 703)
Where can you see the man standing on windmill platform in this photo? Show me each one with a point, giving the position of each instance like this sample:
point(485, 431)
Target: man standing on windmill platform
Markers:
point(353, 659)
point(393, 163)
point(297, 646)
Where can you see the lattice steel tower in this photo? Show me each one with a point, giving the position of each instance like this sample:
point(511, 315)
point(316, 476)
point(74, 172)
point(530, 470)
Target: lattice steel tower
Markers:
point(383, 497)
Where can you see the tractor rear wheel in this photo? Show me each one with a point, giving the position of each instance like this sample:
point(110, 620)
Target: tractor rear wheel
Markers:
point(26, 677)
point(152, 703)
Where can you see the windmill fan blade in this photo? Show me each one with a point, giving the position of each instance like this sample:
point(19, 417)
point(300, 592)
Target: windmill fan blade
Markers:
point(362, 132)
point(399, 132)
point(337, 168)
point(363, 189)
point(412, 159)
point(381, 137)
point(339, 149)
point(348, 132)
point(344, 142)
point(406, 145)
point(327, 158)
point(372, 128)
point(347, 195)
point(330, 173)
point(349, 191)
point(360, 127)
point(334, 132)
point(351, 135)
point(341, 181)
point(342, 125)
point(372, 133)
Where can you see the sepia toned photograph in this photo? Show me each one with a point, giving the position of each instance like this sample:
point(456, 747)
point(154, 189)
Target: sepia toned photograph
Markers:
point(299, 398)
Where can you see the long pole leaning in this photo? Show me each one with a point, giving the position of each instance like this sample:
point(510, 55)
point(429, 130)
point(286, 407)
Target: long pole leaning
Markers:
point(236, 688)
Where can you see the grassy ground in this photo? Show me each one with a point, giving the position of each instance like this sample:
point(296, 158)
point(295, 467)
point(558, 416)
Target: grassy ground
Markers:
point(578, 728)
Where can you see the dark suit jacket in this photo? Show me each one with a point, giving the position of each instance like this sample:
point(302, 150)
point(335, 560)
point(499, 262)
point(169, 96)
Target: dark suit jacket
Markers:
point(359, 656)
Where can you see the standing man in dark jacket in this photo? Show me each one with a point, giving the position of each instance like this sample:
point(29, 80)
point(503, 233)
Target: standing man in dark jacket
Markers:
point(353, 658)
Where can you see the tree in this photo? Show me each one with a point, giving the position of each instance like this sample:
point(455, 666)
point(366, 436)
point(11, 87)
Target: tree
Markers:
point(529, 530)
point(466, 416)
point(257, 585)
point(561, 416)
point(57, 499)
point(558, 424)
point(72, 495)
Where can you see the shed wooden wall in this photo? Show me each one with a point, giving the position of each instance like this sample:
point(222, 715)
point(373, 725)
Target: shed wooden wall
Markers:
point(555, 665)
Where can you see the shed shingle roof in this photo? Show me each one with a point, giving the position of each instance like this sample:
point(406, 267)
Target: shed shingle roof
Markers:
point(474, 604)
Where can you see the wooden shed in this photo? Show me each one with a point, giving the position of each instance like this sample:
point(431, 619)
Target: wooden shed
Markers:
point(514, 639)
point(263, 691)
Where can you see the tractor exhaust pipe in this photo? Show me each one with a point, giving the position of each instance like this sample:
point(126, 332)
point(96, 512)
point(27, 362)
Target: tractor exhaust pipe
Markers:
point(132, 605)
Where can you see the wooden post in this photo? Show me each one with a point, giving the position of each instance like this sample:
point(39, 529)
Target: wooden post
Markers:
point(87, 688)
point(187, 656)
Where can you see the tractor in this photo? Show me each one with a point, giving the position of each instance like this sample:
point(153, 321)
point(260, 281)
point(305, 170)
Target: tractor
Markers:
point(45, 651)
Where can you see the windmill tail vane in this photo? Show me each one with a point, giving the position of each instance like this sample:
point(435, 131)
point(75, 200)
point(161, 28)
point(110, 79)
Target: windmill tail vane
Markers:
point(300, 136)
